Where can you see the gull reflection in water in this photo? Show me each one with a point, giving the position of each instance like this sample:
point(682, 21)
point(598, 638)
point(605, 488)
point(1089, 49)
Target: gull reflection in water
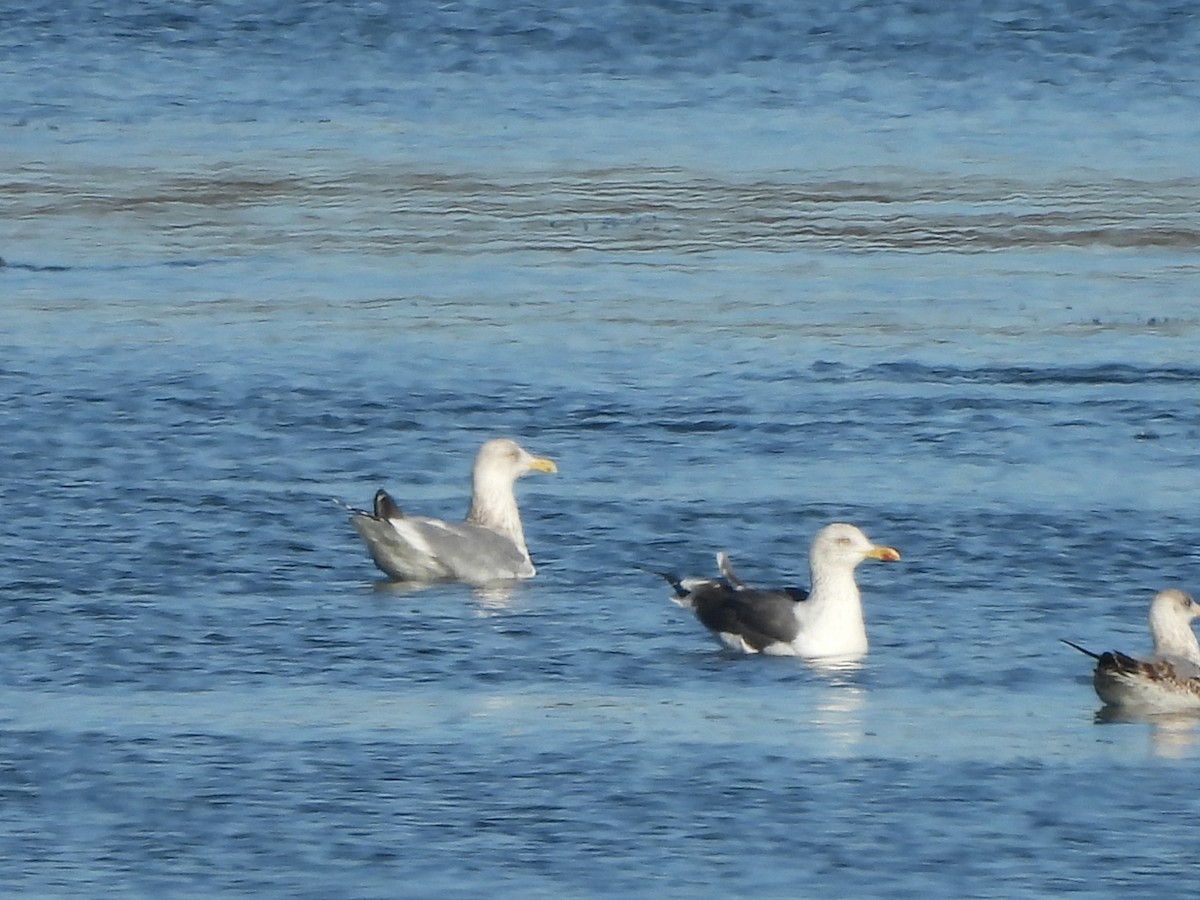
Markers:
point(387, 586)
point(838, 710)
point(1172, 735)
point(491, 598)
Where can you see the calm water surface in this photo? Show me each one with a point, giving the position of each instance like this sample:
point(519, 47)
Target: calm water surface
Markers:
point(741, 270)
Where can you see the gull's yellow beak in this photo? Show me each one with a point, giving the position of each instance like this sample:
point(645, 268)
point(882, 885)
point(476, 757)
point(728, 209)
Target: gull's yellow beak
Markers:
point(541, 464)
point(886, 554)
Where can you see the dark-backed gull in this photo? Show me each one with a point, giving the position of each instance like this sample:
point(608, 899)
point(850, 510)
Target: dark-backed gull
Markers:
point(824, 622)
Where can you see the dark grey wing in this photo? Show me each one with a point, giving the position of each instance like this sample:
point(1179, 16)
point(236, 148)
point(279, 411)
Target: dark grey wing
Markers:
point(760, 618)
point(725, 564)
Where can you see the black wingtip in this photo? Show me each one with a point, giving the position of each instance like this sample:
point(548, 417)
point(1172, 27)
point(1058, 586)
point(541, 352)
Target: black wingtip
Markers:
point(385, 506)
point(670, 578)
point(1082, 650)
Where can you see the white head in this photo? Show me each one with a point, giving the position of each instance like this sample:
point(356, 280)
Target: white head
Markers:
point(1171, 613)
point(831, 622)
point(498, 464)
point(844, 546)
point(505, 461)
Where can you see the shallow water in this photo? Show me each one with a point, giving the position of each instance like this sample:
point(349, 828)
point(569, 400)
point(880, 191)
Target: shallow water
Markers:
point(741, 272)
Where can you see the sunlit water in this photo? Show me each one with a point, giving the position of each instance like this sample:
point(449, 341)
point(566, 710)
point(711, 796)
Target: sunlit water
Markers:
point(741, 272)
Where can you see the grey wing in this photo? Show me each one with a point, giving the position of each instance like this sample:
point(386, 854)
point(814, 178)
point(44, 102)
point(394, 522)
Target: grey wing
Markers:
point(473, 553)
point(393, 554)
point(415, 548)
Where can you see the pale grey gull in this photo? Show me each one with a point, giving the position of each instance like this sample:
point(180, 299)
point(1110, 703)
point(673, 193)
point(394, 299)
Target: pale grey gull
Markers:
point(824, 622)
point(488, 547)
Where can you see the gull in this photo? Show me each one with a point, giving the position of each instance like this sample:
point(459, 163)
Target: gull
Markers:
point(1166, 681)
point(824, 622)
point(487, 547)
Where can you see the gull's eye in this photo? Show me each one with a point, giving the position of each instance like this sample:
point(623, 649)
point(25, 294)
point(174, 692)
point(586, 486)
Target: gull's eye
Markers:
point(844, 541)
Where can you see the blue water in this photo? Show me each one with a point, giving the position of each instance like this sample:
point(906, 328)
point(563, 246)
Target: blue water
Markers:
point(742, 270)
